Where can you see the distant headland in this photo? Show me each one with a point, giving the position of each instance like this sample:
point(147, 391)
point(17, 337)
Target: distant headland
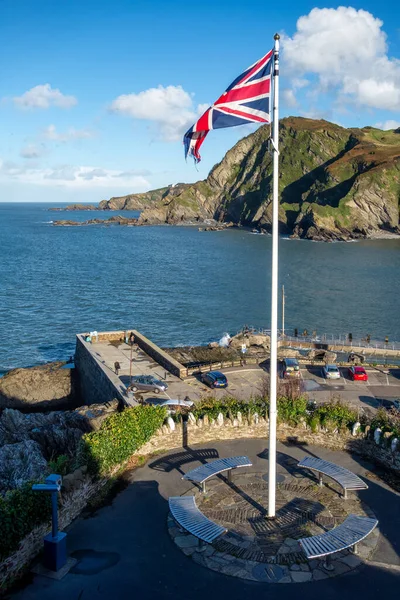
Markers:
point(336, 184)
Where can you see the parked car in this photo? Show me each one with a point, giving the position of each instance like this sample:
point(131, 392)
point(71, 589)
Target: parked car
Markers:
point(214, 379)
point(331, 372)
point(171, 405)
point(358, 373)
point(147, 383)
point(290, 368)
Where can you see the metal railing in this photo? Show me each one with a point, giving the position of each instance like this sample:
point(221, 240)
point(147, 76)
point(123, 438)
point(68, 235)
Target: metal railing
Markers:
point(325, 338)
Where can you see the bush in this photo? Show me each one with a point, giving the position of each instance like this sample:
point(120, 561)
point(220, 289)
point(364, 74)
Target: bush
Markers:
point(229, 407)
point(119, 437)
point(387, 421)
point(292, 409)
point(335, 414)
point(60, 465)
point(20, 511)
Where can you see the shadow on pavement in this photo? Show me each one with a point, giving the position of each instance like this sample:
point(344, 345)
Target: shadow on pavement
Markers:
point(178, 459)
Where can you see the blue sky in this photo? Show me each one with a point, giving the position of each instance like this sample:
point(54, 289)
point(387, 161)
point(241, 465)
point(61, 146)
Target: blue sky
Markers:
point(95, 95)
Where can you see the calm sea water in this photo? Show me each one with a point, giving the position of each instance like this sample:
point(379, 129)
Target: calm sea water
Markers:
point(177, 285)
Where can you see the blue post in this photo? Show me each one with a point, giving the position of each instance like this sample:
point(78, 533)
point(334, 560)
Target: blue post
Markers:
point(54, 515)
point(55, 543)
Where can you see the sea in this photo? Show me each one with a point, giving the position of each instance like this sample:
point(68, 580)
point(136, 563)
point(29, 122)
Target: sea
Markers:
point(178, 285)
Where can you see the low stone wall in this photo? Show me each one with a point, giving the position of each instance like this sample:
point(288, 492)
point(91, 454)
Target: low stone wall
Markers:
point(200, 431)
point(97, 382)
point(159, 355)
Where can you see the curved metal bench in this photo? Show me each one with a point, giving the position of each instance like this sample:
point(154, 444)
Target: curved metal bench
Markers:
point(185, 512)
point(348, 534)
point(204, 472)
point(346, 479)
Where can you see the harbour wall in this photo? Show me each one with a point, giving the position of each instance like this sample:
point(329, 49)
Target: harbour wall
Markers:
point(97, 382)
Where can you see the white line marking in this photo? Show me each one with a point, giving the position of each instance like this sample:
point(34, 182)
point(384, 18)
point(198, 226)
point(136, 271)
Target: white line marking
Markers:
point(387, 379)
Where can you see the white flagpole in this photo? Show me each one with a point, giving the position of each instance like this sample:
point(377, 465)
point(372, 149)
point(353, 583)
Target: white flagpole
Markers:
point(274, 292)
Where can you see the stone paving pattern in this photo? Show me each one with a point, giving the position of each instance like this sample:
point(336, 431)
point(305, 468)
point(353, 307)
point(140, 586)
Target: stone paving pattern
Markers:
point(259, 549)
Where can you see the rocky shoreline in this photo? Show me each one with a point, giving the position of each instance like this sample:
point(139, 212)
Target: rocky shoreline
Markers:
point(317, 235)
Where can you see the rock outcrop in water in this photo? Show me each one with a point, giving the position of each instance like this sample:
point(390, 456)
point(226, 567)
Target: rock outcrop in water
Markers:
point(114, 220)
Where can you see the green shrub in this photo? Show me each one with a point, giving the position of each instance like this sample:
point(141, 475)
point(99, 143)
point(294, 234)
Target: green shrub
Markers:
point(60, 465)
point(20, 511)
point(314, 423)
point(119, 437)
point(336, 414)
point(387, 421)
point(229, 407)
point(292, 410)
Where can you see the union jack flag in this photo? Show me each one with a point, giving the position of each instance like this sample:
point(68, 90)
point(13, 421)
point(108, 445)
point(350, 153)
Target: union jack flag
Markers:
point(246, 100)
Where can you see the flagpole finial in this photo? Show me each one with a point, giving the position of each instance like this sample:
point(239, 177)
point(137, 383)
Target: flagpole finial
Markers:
point(277, 36)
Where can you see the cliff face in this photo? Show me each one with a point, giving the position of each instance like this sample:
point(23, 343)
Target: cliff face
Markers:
point(335, 183)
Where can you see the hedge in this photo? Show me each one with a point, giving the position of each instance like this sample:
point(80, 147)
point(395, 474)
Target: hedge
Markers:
point(119, 437)
point(20, 511)
point(292, 411)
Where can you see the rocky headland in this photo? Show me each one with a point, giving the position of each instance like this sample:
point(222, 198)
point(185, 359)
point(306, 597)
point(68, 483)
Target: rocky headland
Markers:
point(335, 184)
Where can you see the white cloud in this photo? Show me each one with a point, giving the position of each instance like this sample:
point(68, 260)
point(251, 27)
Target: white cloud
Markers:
point(32, 151)
point(390, 124)
point(51, 133)
point(44, 96)
point(71, 176)
point(289, 98)
point(171, 108)
point(347, 50)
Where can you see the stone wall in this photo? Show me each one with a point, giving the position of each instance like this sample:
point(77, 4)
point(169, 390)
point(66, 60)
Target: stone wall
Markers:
point(97, 382)
point(159, 355)
point(163, 358)
point(173, 435)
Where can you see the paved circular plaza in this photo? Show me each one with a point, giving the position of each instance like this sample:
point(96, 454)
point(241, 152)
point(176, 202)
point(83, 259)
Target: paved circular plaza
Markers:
point(260, 549)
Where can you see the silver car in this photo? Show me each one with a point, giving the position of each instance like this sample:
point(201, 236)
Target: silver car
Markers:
point(331, 372)
point(171, 405)
point(147, 383)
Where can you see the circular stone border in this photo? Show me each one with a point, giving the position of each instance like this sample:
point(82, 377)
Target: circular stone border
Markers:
point(272, 569)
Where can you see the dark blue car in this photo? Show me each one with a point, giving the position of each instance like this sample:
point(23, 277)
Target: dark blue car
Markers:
point(215, 379)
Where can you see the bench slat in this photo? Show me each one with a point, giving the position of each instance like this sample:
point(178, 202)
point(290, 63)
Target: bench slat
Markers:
point(346, 479)
point(352, 531)
point(186, 513)
point(204, 472)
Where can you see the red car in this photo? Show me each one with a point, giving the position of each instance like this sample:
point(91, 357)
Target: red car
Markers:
point(358, 374)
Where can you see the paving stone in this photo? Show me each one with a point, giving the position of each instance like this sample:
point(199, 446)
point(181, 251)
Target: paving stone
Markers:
point(199, 559)
point(295, 568)
point(186, 541)
point(304, 567)
point(286, 579)
point(210, 563)
point(245, 575)
point(351, 560)
point(340, 568)
point(300, 577)
point(317, 575)
point(189, 551)
point(231, 568)
point(174, 531)
point(269, 573)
